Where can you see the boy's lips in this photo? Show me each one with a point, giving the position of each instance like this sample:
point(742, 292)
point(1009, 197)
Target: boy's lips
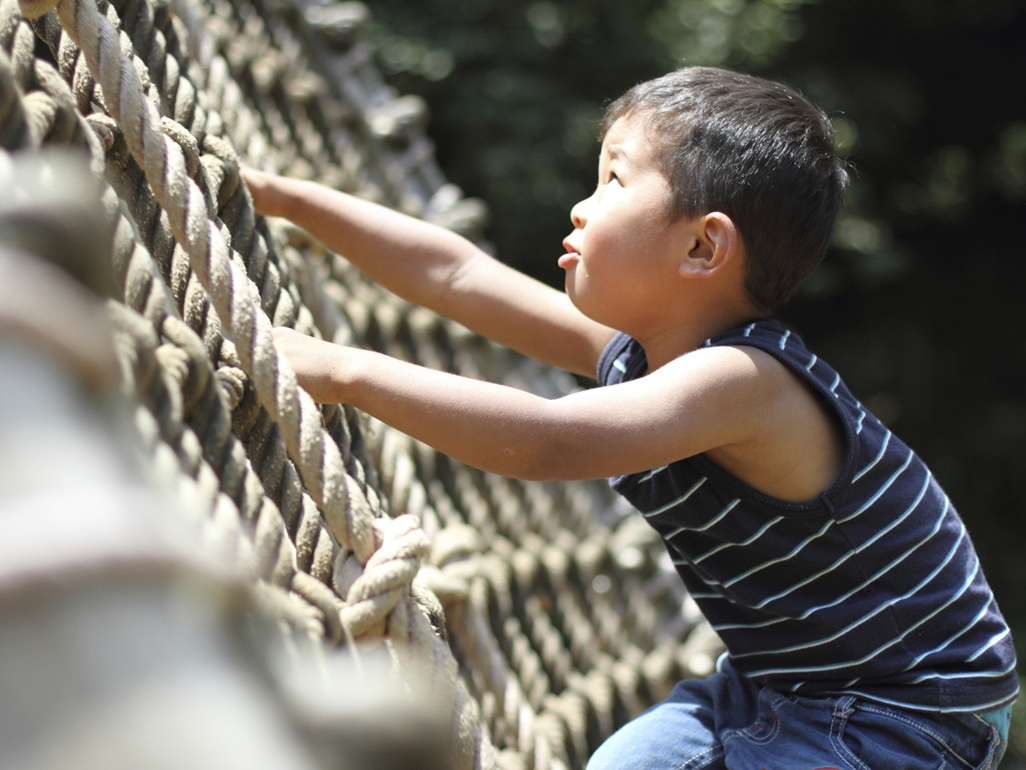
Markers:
point(571, 258)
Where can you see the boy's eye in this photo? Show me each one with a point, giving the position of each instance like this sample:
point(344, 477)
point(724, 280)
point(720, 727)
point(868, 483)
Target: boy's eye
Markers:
point(613, 178)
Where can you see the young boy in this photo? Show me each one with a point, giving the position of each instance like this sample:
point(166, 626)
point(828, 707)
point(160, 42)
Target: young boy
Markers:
point(859, 628)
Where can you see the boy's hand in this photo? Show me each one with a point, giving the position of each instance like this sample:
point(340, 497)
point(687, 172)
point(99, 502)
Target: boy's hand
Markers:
point(317, 363)
point(262, 190)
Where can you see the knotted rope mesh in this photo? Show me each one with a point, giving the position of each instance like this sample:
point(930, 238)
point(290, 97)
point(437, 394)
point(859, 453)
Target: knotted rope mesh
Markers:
point(541, 614)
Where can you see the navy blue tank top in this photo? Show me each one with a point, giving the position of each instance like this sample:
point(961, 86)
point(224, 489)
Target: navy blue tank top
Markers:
point(873, 588)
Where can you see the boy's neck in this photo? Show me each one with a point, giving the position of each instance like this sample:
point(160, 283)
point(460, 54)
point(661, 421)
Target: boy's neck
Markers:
point(688, 333)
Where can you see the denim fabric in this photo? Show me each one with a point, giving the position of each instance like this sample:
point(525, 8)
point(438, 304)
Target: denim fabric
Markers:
point(1000, 719)
point(727, 723)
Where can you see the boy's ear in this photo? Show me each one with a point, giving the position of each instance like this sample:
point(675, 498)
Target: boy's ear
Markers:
point(713, 242)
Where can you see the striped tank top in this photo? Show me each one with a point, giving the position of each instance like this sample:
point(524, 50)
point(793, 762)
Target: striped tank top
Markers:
point(872, 589)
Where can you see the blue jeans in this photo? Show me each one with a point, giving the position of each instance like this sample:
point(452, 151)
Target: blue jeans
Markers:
point(726, 722)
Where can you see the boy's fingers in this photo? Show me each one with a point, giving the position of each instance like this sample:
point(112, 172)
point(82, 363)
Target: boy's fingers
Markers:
point(312, 361)
point(256, 181)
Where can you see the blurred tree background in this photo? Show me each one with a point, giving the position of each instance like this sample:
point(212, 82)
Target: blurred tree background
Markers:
point(919, 304)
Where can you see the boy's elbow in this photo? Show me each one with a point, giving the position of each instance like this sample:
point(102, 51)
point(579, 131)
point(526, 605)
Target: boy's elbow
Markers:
point(546, 441)
point(525, 465)
point(542, 461)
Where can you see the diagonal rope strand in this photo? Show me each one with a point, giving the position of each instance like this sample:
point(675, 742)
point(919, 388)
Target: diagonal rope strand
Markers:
point(384, 588)
point(163, 162)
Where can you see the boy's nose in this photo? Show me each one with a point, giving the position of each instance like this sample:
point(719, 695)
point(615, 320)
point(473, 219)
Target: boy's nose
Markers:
point(577, 214)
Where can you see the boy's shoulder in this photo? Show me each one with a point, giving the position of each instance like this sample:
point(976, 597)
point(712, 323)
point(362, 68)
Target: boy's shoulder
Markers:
point(800, 450)
point(786, 439)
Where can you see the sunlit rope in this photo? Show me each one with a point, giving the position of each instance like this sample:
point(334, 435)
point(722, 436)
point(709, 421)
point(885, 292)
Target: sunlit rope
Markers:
point(556, 624)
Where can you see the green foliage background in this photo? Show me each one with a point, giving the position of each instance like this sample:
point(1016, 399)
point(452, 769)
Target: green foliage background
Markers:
point(919, 304)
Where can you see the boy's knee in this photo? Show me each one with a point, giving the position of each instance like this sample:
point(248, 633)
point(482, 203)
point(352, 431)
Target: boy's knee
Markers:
point(606, 759)
point(615, 754)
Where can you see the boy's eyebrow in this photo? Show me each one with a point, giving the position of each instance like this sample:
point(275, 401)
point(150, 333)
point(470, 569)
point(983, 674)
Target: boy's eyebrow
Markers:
point(616, 152)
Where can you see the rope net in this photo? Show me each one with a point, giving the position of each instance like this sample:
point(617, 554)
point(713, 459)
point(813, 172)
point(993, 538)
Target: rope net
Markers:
point(539, 614)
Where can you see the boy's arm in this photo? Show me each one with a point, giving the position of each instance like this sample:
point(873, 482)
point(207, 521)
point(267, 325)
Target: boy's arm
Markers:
point(438, 269)
point(707, 399)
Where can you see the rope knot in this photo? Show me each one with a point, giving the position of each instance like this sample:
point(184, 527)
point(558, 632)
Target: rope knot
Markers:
point(453, 563)
point(373, 591)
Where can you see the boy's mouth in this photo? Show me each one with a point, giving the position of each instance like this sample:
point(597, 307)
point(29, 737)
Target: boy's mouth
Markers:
point(571, 258)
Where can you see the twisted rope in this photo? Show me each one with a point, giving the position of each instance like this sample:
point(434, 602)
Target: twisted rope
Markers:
point(559, 630)
point(214, 165)
point(164, 164)
point(318, 456)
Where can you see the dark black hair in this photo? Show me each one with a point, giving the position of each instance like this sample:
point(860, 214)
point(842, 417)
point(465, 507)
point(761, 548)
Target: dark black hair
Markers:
point(754, 149)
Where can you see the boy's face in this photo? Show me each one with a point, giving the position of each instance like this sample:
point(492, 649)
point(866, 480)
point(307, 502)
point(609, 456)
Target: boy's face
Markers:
point(621, 256)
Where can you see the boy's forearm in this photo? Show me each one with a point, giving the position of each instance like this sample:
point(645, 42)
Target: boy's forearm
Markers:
point(488, 426)
point(491, 427)
point(410, 257)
